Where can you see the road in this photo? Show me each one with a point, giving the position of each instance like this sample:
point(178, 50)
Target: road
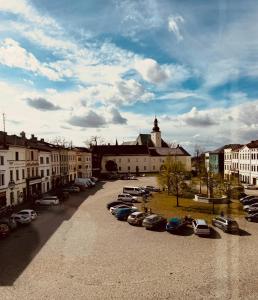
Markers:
point(80, 251)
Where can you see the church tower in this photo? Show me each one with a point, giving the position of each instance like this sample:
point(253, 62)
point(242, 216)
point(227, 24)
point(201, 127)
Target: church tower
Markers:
point(156, 134)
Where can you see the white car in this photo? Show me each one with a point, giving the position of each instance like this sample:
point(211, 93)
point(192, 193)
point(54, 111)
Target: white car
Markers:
point(20, 219)
point(127, 197)
point(247, 207)
point(28, 212)
point(114, 208)
point(48, 200)
point(200, 227)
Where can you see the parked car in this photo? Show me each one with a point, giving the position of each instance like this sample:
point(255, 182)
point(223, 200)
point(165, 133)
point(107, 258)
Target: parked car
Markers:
point(252, 217)
point(123, 213)
point(4, 230)
point(28, 212)
point(200, 227)
point(72, 189)
point(21, 219)
point(175, 224)
point(94, 179)
point(152, 188)
point(250, 201)
point(133, 190)
point(114, 203)
point(114, 209)
point(11, 223)
point(127, 198)
point(136, 218)
point(246, 198)
point(48, 200)
point(252, 210)
point(250, 187)
point(226, 223)
point(247, 206)
point(154, 221)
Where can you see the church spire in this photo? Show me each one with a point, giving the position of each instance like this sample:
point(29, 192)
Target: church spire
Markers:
point(156, 127)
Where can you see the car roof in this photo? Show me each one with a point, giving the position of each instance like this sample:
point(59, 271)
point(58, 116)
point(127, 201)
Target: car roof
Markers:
point(26, 210)
point(228, 218)
point(201, 222)
point(136, 213)
point(174, 220)
point(152, 216)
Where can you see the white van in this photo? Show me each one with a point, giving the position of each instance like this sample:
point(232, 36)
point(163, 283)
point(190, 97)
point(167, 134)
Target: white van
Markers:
point(133, 190)
point(48, 200)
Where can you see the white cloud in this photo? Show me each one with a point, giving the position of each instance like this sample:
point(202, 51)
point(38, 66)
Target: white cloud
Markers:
point(173, 26)
point(24, 9)
point(155, 73)
point(180, 95)
point(14, 56)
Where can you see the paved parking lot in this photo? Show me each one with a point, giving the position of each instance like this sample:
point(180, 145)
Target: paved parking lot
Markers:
point(80, 251)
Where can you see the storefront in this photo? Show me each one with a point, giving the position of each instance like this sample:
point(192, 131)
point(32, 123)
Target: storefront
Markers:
point(34, 188)
point(3, 202)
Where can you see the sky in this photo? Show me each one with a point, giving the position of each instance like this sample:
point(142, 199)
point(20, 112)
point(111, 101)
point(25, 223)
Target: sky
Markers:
point(77, 69)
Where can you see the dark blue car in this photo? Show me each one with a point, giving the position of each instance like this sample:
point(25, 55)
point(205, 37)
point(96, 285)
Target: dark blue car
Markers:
point(123, 213)
point(175, 224)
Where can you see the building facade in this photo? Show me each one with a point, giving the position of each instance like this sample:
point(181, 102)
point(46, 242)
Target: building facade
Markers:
point(144, 155)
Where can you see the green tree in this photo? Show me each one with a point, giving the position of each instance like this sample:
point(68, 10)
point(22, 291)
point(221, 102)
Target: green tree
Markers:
point(171, 176)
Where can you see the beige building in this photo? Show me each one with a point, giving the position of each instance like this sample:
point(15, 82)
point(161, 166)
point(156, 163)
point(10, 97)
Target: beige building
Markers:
point(83, 162)
point(144, 155)
point(72, 165)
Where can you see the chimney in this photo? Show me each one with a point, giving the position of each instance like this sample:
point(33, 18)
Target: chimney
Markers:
point(33, 138)
point(23, 135)
point(42, 140)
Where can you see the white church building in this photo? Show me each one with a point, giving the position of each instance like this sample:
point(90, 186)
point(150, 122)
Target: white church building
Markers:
point(144, 155)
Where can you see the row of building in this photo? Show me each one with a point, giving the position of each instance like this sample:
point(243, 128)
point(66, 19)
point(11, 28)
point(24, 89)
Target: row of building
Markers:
point(30, 167)
point(235, 160)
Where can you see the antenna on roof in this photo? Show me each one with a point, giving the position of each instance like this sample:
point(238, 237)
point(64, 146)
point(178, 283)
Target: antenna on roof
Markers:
point(4, 121)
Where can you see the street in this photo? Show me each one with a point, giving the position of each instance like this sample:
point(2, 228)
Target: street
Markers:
point(79, 250)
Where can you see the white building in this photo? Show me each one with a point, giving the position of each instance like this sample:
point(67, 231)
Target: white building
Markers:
point(45, 168)
point(16, 164)
point(231, 161)
point(4, 176)
point(144, 155)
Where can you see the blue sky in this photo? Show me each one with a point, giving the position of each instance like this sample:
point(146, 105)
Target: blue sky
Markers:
point(82, 68)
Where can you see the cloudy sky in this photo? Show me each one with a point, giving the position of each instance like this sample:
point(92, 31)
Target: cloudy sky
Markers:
point(81, 68)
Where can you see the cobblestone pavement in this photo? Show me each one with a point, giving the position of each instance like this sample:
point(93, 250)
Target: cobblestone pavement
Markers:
point(80, 251)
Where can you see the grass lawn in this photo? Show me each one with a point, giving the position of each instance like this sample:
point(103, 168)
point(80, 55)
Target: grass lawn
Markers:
point(166, 205)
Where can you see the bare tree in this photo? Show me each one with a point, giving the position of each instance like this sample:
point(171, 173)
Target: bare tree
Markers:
point(61, 141)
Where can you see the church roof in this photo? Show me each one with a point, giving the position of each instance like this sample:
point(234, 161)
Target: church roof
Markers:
point(145, 139)
point(178, 151)
point(138, 150)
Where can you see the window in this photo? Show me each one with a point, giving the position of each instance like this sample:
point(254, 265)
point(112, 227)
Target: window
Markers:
point(119, 168)
point(16, 155)
point(144, 168)
point(47, 172)
point(32, 171)
point(37, 171)
point(2, 179)
point(11, 174)
point(47, 160)
point(31, 155)
point(128, 168)
point(23, 173)
point(42, 173)
point(28, 172)
point(128, 159)
point(1, 160)
point(41, 160)
point(17, 174)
